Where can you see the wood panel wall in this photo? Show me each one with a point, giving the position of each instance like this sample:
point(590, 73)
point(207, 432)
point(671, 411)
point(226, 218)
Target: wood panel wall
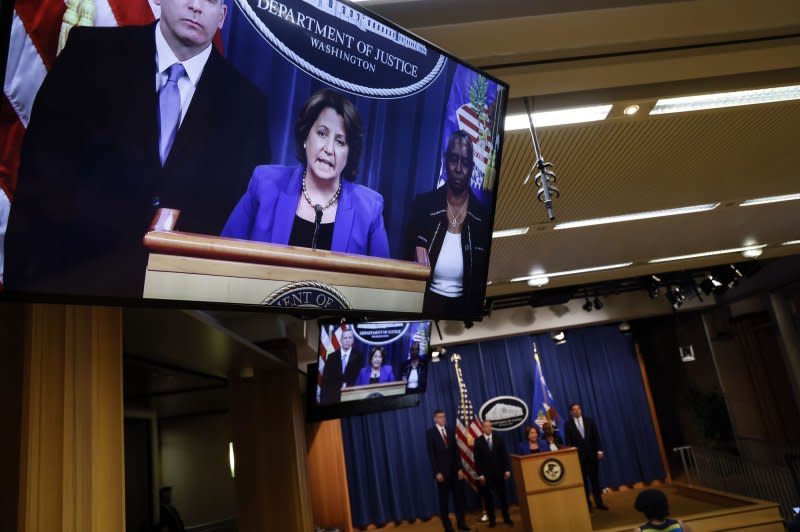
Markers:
point(269, 445)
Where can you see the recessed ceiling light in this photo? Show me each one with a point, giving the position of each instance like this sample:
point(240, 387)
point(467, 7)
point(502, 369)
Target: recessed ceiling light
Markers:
point(791, 243)
point(770, 199)
point(572, 272)
point(561, 117)
point(707, 253)
point(511, 232)
point(538, 281)
point(752, 253)
point(631, 110)
point(725, 99)
point(637, 216)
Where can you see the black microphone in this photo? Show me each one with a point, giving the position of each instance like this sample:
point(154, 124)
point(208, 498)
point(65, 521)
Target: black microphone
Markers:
point(317, 221)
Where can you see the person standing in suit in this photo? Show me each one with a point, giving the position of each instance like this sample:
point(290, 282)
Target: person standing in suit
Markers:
point(533, 441)
point(550, 438)
point(342, 368)
point(283, 204)
point(581, 432)
point(413, 369)
point(128, 120)
point(377, 372)
point(493, 466)
point(447, 470)
point(450, 231)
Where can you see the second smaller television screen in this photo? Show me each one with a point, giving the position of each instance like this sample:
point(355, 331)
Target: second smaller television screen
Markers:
point(361, 361)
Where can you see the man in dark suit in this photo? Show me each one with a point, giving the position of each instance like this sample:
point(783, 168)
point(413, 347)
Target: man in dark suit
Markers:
point(493, 466)
point(341, 370)
point(581, 432)
point(128, 120)
point(447, 470)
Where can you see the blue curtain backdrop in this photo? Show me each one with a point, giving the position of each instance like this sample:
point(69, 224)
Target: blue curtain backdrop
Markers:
point(388, 472)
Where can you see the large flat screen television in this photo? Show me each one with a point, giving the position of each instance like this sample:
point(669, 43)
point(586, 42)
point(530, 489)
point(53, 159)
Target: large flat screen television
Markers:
point(284, 154)
point(367, 367)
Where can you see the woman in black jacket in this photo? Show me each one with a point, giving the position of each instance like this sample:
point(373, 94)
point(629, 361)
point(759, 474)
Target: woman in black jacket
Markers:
point(449, 232)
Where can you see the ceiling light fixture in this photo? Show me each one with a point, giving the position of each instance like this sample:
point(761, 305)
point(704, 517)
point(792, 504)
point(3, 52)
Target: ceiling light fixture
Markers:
point(631, 110)
point(588, 305)
point(707, 254)
point(597, 303)
point(676, 297)
point(770, 199)
point(637, 216)
point(572, 272)
point(559, 337)
point(518, 231)
point(791, 243)
point(560, 117)
point(712, 285)
point(539, 281)
point(725, 99)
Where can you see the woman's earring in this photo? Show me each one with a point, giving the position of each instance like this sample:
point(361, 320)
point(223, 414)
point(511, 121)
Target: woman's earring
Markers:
point(304, 145)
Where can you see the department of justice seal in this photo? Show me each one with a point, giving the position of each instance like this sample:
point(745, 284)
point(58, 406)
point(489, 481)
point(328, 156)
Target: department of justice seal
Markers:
point(307, 294)
point(552, 471)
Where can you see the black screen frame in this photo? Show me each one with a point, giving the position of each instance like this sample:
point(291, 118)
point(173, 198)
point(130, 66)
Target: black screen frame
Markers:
point(6, 17)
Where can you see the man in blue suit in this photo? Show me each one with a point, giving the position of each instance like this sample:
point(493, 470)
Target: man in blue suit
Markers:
point(447, 469)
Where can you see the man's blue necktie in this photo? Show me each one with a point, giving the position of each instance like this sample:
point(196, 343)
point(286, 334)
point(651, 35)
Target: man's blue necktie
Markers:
point(169, 101)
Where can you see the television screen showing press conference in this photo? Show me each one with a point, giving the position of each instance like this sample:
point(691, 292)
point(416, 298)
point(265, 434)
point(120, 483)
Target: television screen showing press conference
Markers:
point(371, 360)
point(291, 154)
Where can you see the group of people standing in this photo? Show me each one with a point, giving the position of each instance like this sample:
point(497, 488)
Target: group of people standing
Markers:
point(170, 123)
point(493, 462)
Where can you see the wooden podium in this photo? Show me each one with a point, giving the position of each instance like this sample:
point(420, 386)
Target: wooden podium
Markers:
point(187, 266)
point(550, 491)
point(365, 391)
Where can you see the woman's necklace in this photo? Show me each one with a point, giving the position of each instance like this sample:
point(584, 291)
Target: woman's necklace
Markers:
point(454, 221)
point(330, 201)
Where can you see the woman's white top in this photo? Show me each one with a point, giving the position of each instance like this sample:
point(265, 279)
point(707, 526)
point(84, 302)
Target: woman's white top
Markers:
point(448, 274)
point(413, 378)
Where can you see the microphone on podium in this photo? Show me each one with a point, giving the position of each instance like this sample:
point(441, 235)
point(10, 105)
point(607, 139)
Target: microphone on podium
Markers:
point(317, 221)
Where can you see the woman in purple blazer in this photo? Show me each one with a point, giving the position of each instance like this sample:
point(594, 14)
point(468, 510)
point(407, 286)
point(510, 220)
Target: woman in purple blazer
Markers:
point(282, 203)
point(376, 372)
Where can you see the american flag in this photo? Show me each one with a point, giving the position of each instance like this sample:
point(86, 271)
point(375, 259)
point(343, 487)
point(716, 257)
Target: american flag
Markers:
point(468, 425)
point(330, 337)
point(470, 123)
point(39, 30)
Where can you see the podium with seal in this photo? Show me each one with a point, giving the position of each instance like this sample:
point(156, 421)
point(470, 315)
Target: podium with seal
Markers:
point(550, 491)
point(372, 391)
point(192, 267)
